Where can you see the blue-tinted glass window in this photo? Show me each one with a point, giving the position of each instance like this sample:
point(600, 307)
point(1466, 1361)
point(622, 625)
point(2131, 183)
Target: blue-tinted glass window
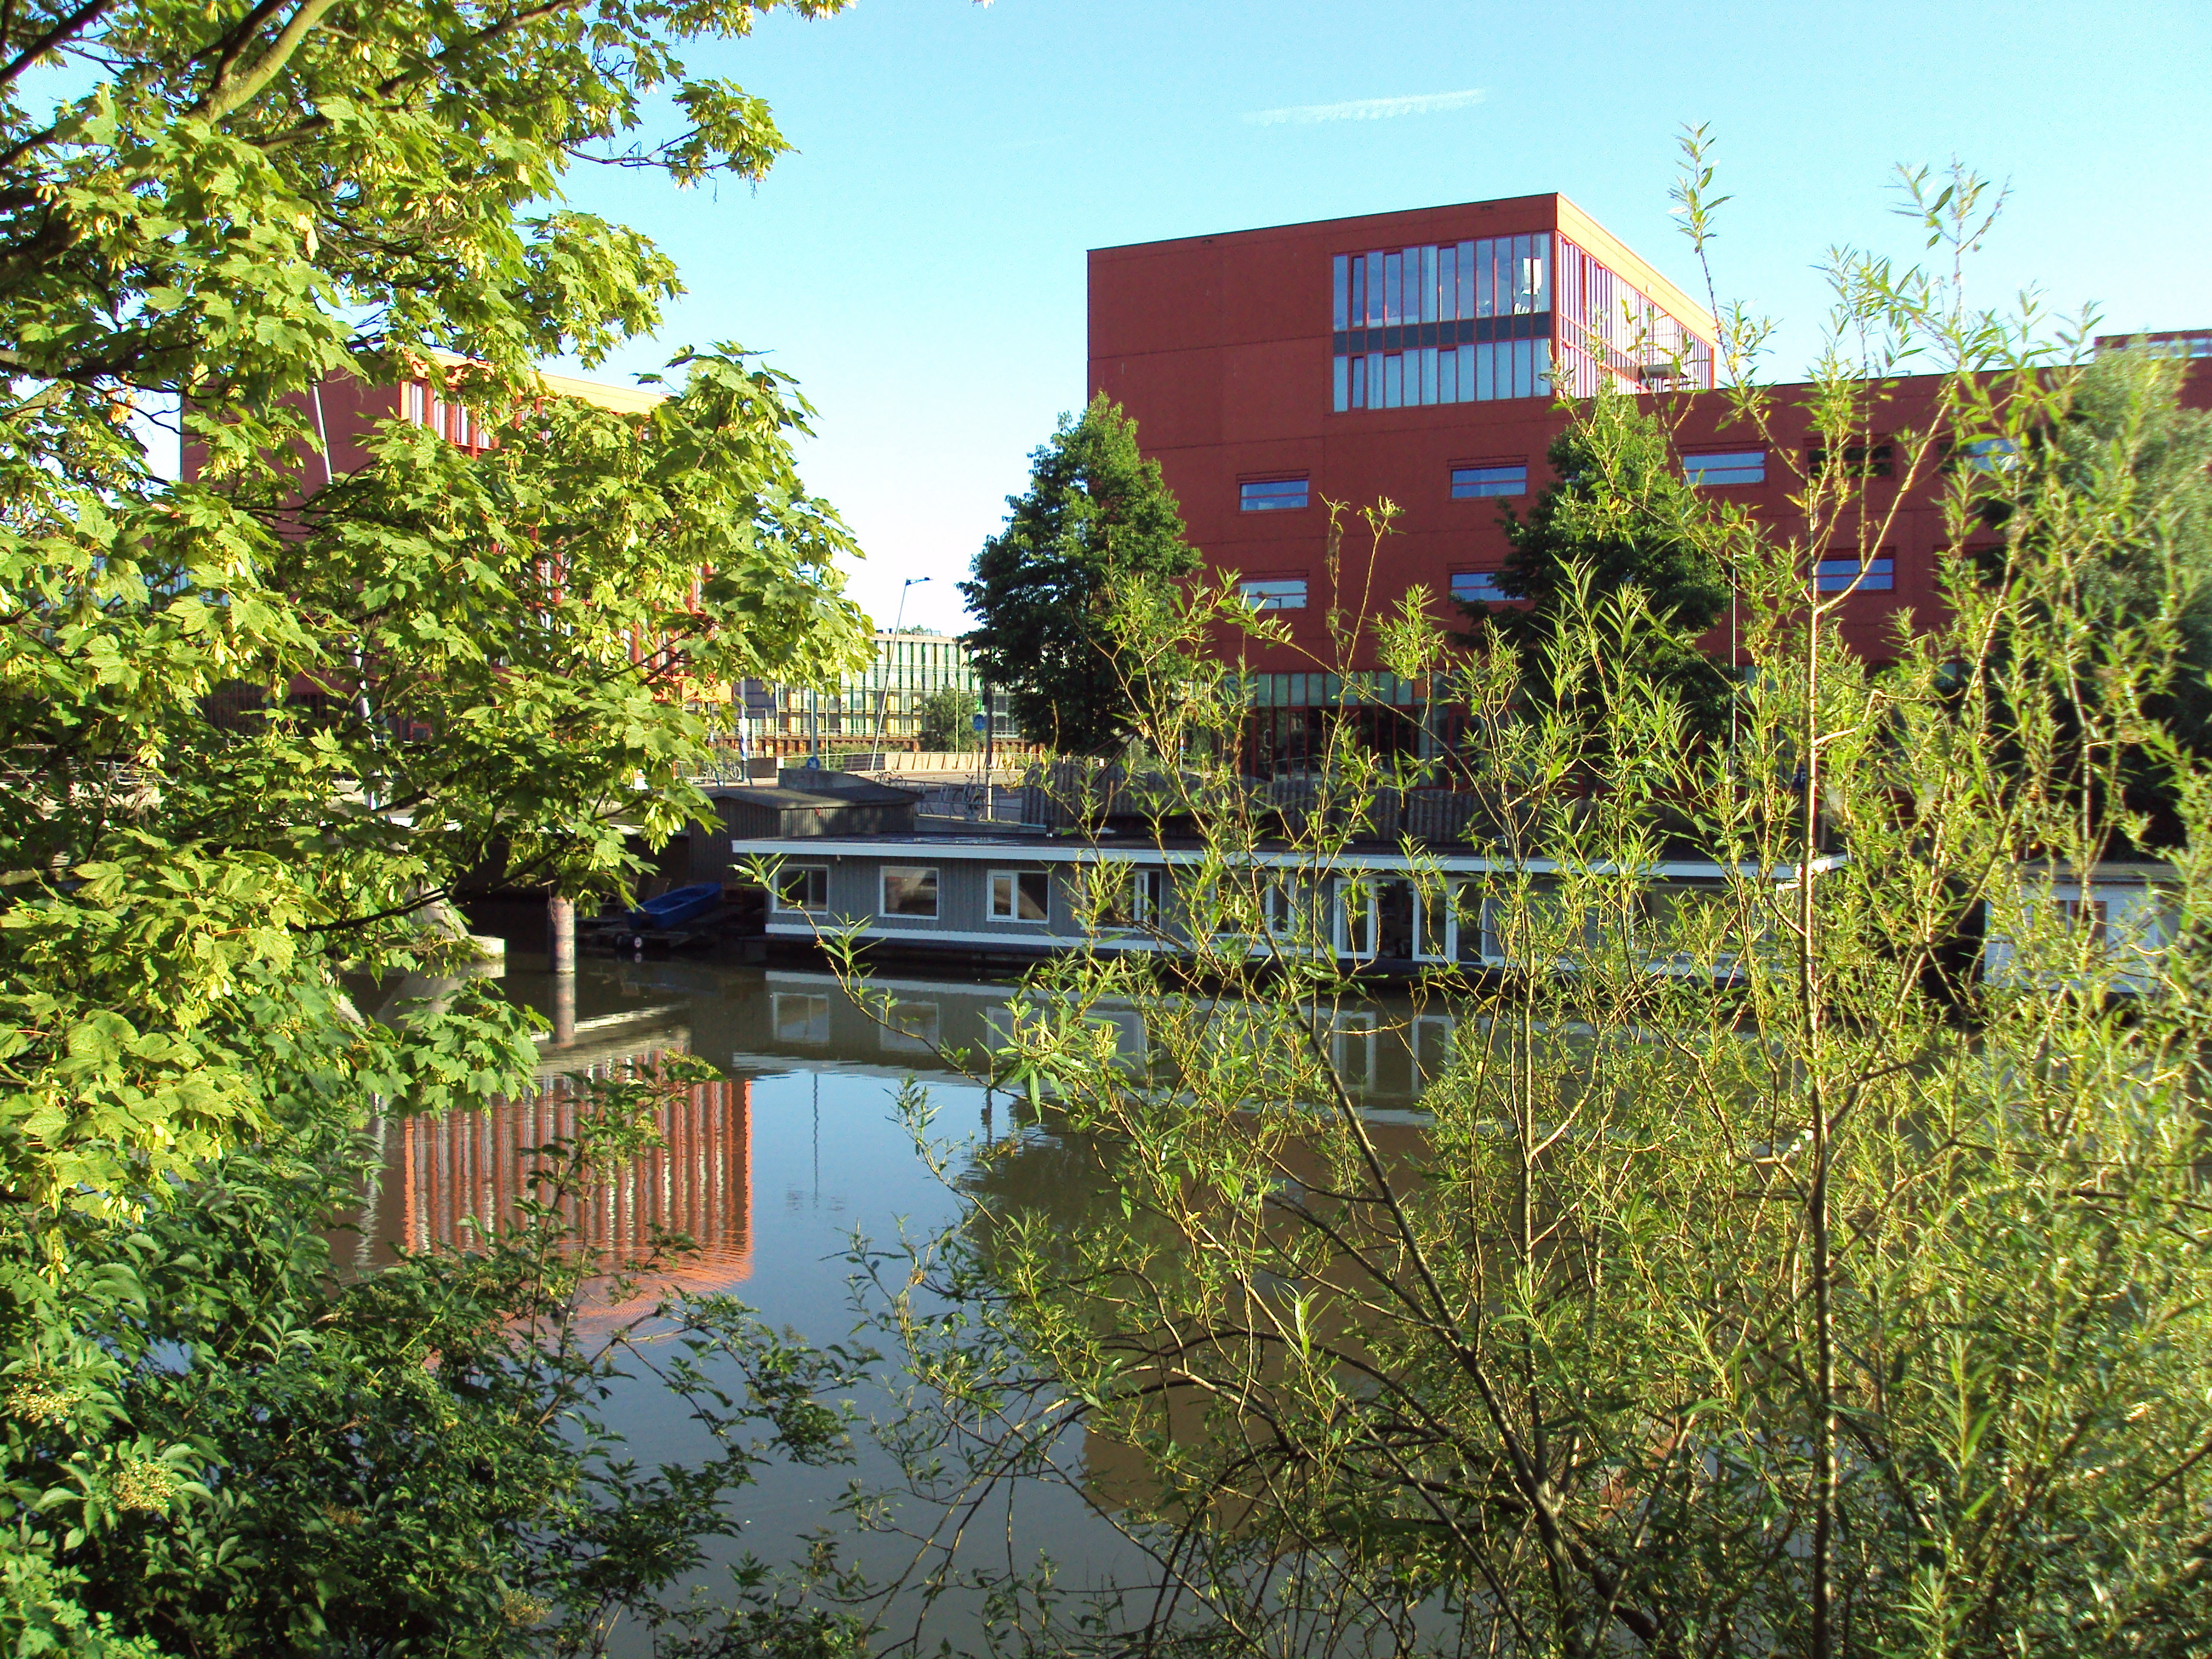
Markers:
point(1738, 466)
point(1272, 495)
point(1341, 388)
point(1477, 587)
point(1340, 291)
point(1275, 593)
point(1468, 482)
point(1836, 575)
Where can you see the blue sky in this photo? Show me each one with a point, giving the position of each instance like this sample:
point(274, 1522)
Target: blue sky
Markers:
point(919, 265)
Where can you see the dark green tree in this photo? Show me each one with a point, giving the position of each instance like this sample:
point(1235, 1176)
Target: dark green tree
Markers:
point(1097, 524)
point(1620, 517)
point(2126, 420)
point(948, 716)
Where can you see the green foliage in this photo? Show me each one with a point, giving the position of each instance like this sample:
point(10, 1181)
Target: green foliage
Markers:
point(2125, 429)
point(1802, 1245)
point(228, 1446)
point(948, 715)
point(259, 723)
point(1096, 523)
point(1618, 520)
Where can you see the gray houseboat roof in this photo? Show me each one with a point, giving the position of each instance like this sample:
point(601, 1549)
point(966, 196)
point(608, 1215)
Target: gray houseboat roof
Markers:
point(1020, 849)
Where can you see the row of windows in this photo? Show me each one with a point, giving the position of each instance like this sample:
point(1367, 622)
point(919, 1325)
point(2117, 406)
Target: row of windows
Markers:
point(1490, 277)
point(1366, 916)
point(1713, 470)
point(1836, 575)
point(420, 406)
point(1434, 374)
point(1468, 484)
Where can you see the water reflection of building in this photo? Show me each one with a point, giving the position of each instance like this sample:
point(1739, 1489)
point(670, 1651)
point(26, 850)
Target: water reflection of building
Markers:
point(461, 1174)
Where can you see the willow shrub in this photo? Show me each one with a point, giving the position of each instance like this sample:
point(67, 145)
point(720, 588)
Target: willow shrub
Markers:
point(1762, 1276)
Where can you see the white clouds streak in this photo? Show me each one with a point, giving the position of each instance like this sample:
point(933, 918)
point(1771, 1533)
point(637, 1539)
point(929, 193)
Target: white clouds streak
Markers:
point(1367, 109)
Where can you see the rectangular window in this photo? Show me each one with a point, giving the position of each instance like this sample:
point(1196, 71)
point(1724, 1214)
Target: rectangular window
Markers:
point(1734, 466)
point(802, 887)
point(1860, 461)
point(1019, 895)
point(1340, 289)
point(1274, 592)
point(1128, 897)
point(1477, 587)
point(1841, 575)
point(1501, 478)
point(1270, 495)
point(1340, 385)
point(909, 890)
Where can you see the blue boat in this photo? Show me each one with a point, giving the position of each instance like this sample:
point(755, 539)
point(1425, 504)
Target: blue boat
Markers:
point(675, 907)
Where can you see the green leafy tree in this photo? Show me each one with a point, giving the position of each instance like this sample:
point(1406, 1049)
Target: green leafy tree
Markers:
point(1097, 522)
point(1743, 1284)
point(948, 717)
point(1619, 519)
point(446, 665)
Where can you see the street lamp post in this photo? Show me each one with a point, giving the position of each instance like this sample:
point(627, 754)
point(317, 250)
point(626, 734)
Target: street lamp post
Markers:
point(883, 691)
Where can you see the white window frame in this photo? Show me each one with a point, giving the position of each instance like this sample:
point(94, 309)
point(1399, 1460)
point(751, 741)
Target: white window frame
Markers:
point(1014, 916)
point(1339, 928)
point(775, 892)
point(882, 893)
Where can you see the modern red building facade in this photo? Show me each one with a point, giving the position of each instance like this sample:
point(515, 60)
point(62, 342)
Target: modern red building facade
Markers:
point(1412, 356)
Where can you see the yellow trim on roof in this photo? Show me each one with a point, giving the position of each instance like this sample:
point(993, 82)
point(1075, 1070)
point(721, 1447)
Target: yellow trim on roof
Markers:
point(621, 400)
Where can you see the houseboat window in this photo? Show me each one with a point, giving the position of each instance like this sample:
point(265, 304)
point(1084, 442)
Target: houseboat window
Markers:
point(2088, 915)
point(1128, 898)
point(802, 887)
point(1282, 913)
point(1019, 895)
point(909, 889)
point(800, 1018)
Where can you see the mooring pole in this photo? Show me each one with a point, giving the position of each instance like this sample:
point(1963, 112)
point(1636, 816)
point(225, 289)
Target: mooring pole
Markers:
point(561, 946)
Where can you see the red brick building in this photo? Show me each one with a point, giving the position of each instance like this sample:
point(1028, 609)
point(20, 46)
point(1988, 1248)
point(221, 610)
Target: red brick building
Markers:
point(1413, 355)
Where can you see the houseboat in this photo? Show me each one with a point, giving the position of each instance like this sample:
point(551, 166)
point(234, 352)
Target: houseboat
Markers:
point(1002, 896)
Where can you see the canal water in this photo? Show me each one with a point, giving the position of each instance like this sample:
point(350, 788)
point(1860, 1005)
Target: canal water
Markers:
point(779, 1169)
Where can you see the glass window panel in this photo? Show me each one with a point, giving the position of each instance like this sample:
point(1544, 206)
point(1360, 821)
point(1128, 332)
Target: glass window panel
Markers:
point(1740, 466)
point(1543, 253)
point(1467, 375)
point(1359, 291)
point(1340, 292)
point(1359, 382)
point(1428, 375)
point(1542, 352)
point(909, 889)
point(1340, 383)
point(1477, 587)
point(1466, 307)
point(802, 887)
point(1524, 368)
point(1393, 380)
point(1506, 478)
point(1270, 495)
point(1394, 279)
point(1429, 284)
point(1274, 594)
point(1485, 298)
point(1485, 386)
point(1374, 378)
point(1447, 281)
point(1409, 297)
point(1375, 283)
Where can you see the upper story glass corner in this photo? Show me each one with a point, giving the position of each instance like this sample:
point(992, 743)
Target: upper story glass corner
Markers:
point(1496, 318)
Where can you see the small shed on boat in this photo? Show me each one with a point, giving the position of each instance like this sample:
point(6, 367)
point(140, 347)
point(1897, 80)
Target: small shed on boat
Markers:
point(778, 813)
